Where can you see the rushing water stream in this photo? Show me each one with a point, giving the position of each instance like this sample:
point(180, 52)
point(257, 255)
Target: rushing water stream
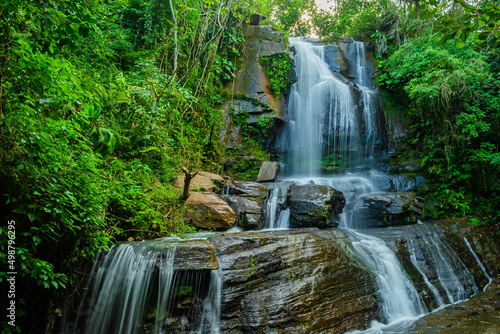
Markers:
point(138, 280)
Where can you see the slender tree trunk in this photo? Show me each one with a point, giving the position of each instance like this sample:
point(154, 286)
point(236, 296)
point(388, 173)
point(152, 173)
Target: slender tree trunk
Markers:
point(189, 175)
point(176, 51)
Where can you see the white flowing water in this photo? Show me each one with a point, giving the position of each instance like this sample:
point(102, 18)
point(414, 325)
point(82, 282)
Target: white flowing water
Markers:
point(321, 110)
point(120, 288)
point(479, 263)
point(368, 95)
point(210, 320)
point(399, 297)
point(272, 208)
point(419, 262)
point(135, 280)
point(166, 275)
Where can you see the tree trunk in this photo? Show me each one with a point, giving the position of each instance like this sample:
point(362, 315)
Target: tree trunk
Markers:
point(189, 175)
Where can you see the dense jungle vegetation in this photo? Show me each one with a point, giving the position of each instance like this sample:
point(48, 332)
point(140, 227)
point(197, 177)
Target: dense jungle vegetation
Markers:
point(102, 102)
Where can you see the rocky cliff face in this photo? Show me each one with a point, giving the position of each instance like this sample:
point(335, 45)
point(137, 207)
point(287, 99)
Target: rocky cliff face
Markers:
point(251, 93)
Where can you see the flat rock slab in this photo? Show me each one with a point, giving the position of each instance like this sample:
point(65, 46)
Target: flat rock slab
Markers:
point(198, 183)
point(300, 281)
point(480, 314)
point(195, 255)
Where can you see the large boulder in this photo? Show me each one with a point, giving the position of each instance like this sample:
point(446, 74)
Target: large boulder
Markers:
point(199, 182)
point(268, 171)
point(389, 209)
point(314, 206)
point(206, 210)
point(293, 282)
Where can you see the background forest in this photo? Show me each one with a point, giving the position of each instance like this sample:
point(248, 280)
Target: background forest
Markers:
point(102, 102)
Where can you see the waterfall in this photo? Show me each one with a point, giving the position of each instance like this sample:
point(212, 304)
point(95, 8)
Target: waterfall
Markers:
point(322, 113)
point(399, 297)
point(210, 320)
point(324, 123)
point(136, 287)
point(277, 217)
point(368, 96)
point(418, 261)
point(120, 287)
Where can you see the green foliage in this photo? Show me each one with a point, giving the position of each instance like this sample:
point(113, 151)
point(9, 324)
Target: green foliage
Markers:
point(453, 98)
point(95, 120)
point(480, 19)
point(277, 68)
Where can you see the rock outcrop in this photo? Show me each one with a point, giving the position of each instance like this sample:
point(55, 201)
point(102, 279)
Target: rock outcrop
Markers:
point(251, 93)
point(314, 206)
point(206, 210)
point(247, 200)
point(293, 282)
point(389, 209)
point(268, 171)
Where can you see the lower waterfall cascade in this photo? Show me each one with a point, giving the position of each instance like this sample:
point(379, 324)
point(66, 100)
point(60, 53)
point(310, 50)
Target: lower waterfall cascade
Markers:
point(139, 287)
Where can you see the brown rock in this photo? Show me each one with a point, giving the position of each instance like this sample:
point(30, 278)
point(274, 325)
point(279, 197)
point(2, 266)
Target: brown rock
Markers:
point(198, 183)
point(207, 210)
point(195, 255)
point(217, 179)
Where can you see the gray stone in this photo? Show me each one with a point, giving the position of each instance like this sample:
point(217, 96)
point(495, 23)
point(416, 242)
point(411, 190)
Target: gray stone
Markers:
point(268, 171)
point(293, 282)
point(248, 210)
point(246, 188)
point(314, 206)
point(388, 209)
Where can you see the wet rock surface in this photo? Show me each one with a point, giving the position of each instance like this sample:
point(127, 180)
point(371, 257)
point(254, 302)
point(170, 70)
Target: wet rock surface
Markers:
point(427, 242)
point(314, 206)
point(250, 87)
point(480, 314)
point(389, 209)
point(195, 255)
point(301, 281)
